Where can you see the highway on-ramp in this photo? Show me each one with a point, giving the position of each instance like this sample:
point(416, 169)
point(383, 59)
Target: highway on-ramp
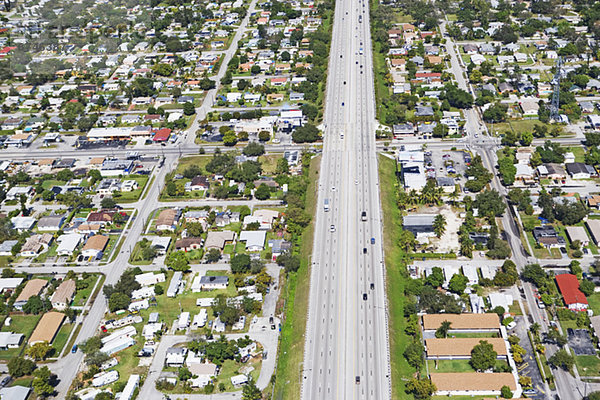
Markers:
point(346, 350)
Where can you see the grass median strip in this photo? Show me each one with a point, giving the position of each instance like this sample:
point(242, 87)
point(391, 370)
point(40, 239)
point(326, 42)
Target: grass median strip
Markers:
point(291, 346)
point(396, 275)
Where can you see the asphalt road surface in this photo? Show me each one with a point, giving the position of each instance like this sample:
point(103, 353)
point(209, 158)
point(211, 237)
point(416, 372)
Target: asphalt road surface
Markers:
point(346, 352)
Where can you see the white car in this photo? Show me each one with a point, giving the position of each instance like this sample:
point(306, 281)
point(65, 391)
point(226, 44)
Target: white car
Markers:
point(332, 228)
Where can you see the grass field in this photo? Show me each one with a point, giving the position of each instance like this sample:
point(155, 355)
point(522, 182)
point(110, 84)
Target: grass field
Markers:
point(395, 261)
point(520, 126)
point(455, 365)
point(61, 339)
point(24, 324)
point(82, 295)
point(291, 345)
point(588, 365)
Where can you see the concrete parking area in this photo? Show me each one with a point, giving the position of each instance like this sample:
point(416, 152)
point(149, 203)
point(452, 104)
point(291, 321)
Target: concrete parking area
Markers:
point(445, 163)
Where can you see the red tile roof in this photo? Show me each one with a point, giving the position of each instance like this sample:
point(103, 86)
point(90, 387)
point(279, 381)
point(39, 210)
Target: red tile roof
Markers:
point(162, 135)
point(569, 288)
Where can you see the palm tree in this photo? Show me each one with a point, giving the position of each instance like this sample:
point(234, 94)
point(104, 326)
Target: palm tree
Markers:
point(454, 196)
point(442, 331)
point(439, 225)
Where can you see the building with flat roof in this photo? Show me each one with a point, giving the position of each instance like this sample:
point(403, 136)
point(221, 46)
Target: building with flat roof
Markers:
point(462, 322)
point(460, 348)
point(419, 224)
point(472, 383)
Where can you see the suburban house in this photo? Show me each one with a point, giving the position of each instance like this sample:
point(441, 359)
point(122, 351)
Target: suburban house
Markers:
point(36, 244)
point(548, 237)
point(167, 220)
point(95, 246)
point(211, 282)
point(10, 340)
point(189, 243)
point(197, 183)
point(578, 233)
point(51, 223)
point(255, 240)
point(63, 295)
point(217, 240)
point(175, 356)
point(33, 288)
point(68, 243)
point(569, 288)
point(580, 170)
point(47, 328)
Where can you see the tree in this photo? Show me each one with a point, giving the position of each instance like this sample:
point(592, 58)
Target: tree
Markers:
point(587, 287)
point(39, 351)
point(458, 283)
point(457, 97)
point(507, 170)
point(435, 278)
point(254, 149)
point(307, 133)
point(420, 388)
point(526, 138)
point(506, 392)
point(213, 255)
point(240, 263)
point(177, 261)
point(118, 301)
point(264, 136)
point(489, 202)
point(442, 331)
point(42, 382)
point(19, 366)
point(551, 152)
point(290, 262)
point(562, 359)
point(158, 290)
point(65, 175)
point(439, 225)
point(483, 356)
point(414, 354)
point(36, 305)
point(255, 69)
point(251, 392)
point(188, 108)
point(262, 192)
point(108, 202)
point(183, 374)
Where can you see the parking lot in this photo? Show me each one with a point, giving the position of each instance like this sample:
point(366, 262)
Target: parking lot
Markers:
point(581, 342)
point(445, 163)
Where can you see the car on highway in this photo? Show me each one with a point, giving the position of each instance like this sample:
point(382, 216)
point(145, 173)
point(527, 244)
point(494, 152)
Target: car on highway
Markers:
point(363, 216)
point(357, 380)
point(372, 286)
point(74, 349)
point(372, 240)
point(364, 250)
point(342, 136)
point(332, 228)
point(364, 296)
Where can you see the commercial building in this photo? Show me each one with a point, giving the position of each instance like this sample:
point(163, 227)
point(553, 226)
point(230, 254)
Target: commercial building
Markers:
point(462, 322)
point(460, 348)
point(419, 224)
point(472, 383)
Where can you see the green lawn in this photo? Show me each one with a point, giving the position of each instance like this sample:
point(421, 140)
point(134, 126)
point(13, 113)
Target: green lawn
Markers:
point(473, 335)
point(588, 365)
point(52, 182)
point(24, 324)
point(82, 295)
point(455, 365)
point(520, 126)
point(594, 303)
point(134, 195)
point(61, 338)
point(578, 152)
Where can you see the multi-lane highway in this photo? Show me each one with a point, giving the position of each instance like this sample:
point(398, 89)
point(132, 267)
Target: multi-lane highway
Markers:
point(346, 351)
